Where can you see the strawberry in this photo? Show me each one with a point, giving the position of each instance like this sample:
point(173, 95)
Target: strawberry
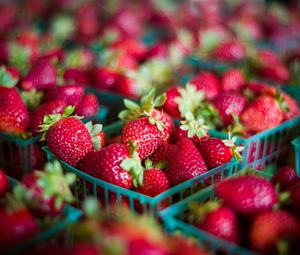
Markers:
point(47, 191)
point(161, 153)
point(71, 94)
point(216, 151)
point(285, 176)
point(14, 116)
point(37, 116)
point(126, 87)
point(182, 245)
point(4, 185)
point(278, 73)
point(76, 76)
point(263, 113)
point(67, 137)
point(247, 195)
point(88, 106)
point(232, 51)
point(270, 229)
point(208, 83)
point(232, 80)
point(41, 76)
point(103, 78)
point(106, 165)
point(228, 104)
point(171, 106)
point(184, 162)
point(97, 134)
point(215, 219)
point(167, 122)
point(267, 57)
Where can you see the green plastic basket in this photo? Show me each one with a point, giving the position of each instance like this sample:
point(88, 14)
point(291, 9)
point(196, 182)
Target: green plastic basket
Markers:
point(296, 143)
point(88, 185)
point(12, 146)
point(173, 221)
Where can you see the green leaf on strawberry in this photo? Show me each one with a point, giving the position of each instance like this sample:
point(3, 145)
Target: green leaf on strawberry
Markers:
point(6, 79)
point(194, 126)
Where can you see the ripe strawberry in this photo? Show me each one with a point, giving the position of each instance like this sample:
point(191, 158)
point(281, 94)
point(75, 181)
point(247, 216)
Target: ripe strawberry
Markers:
point(278, 73)
point(88, 106)
point(267, 57)
point(14, 116)
point(263, 113)
point(106, 165)
point(208, 83)
point(37, 116)
point(216, 151)
point(71, 94)
point(247, 195)
point(103, 78)
point(228, 104)
point(97, 134)
point(76, 76)
point(167, 122)
point(132, 47)
point(232, 80)
point(184, 162)
point(182, 245)
point(67, 137)
point(285, 176)
point(16, 225)
point(171, 106)
point(270, 228)
point(232, 51)
point(161, 153)
point(47, 191)
point(41, 76)
point(126, 87)
point(215, 219)
point(4, 185)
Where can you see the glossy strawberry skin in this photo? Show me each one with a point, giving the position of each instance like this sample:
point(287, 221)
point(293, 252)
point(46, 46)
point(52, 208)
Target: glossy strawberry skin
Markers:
point(145, 135)
point(286, 177)
point(208, 83)
point(222, 223)
point(104, 78)
point(105, 165)
point(161, 153)
point(170, 106)
point(16, 227)
point(214, 151)
point(230, 52)
point(269, 228)
point(42, 76)
point(14, 116)
point(37, 116)
point(228, 104)
point(88, 106)
point(69, 140)
point(76, 76)
point(167, 121)
point(184, 162)
point(4, 185)
point(232, 80)
point(179, 134)
point(126, 87)
point(262, 114)
point(247, 195)
point(71, 94)
point(278, 73)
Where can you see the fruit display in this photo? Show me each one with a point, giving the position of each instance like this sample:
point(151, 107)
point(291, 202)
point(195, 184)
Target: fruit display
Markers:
point(134, 114)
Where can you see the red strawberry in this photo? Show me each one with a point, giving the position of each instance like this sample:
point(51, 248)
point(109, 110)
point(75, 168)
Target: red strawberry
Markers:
point(208, 83)
point(4, 185)
point(103, 78)
point(88, 106)
point(232, 80)
point(228, 104)
point(215, 219)
point(270, 228)
point(76, 76)
point(184, 162)
point(285, 176)
point(168, 123)
point(14, 116)
point(70, 94)
point(171, 106)
point(161, 153)
point(48, 190)
point(267, 57)
point(278, 73)
point(105, 165)
point(232, 51)
point(37, 116)
point(67, 137)
point(247, 194)
point(255, 87)
point(97, 134)
point(183, 246)
point(126, 87)
point(16, 226)
point(216, 151)
point(262, 114)
point(132, 47)
point(41, 76)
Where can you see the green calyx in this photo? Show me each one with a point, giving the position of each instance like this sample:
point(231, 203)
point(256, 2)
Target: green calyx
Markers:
point(55, 183)
point(134, 166)
point(231, 143)
point(19, 57)
point(74, 58)
point(209, 41)
point(209, 113)
point(14, 200)
point(94, 131)
point(147, 104)
point(62, 27)
point(6, 79)
point(155, 165)
point(281, 101)
point(91, 208)
point(51, 119)
point(32, 98)
point(199, 211)
point(193, 126)
point(236, 128)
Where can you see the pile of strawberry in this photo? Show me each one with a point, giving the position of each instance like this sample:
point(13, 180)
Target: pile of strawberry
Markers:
point(253, 212)
point(31, 205)
point(231, 102)
point(103, 233)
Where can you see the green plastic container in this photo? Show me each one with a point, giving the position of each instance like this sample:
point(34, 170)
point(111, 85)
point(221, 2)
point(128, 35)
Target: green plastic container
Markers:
point(173, 220)
point(88, 185)
point(16, 154)
point(296, 143)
